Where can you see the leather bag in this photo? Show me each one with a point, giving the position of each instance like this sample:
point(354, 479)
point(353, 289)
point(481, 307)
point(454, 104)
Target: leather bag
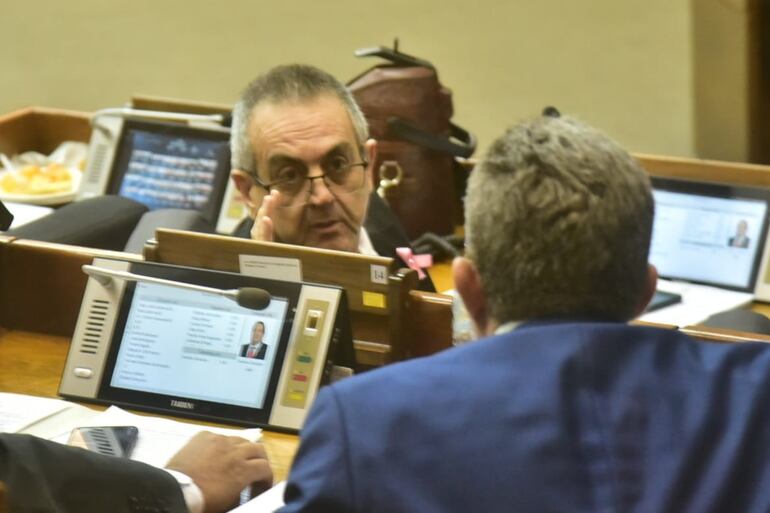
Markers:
point(409, 114)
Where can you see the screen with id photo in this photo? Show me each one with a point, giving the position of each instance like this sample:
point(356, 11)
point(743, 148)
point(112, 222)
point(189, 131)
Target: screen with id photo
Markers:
point(205, 344)
point(190, 344)
point(709, 239)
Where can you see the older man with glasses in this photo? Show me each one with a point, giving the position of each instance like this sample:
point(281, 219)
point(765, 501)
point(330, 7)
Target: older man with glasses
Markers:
point(303, 162)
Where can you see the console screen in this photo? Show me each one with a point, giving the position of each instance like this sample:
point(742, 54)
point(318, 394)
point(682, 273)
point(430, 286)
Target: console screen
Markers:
point(196, 345)
point(169, 171)
point(707, 239)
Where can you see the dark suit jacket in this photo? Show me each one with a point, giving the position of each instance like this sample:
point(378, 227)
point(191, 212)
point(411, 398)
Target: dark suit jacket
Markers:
point(556, 417)
point(47, 476)
point(384, 229)
point(260, 355)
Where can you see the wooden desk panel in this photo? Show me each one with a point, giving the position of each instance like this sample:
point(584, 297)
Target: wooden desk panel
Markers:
point(737, 173)
point(31, 363)
point(43, 284)
point(430, 322)
point(42, 129)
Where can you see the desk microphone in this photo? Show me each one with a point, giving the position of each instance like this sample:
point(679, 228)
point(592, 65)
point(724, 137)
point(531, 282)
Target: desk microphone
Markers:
point(247, 297)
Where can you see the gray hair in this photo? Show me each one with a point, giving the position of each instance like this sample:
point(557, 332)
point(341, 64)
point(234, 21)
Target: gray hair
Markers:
point(294, 82)
point(558, 223)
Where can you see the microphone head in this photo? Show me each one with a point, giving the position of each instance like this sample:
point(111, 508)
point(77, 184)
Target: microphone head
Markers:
point(253, 298)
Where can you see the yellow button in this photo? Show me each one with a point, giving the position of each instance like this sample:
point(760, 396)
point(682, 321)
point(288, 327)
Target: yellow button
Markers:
point(374, 299)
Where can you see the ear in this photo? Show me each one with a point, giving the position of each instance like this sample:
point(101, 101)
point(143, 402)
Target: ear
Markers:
point(370, 150)
point(468, 284)
point(649, 289)
point(245, 185)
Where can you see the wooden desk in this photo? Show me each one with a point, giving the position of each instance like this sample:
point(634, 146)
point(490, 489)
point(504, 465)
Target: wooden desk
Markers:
point(31, 363)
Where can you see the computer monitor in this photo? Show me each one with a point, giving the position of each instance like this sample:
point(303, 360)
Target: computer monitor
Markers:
point(707, 233)
point(162, 165)
point(162, 344)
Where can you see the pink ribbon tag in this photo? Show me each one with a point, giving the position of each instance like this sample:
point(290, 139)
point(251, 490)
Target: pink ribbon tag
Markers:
point(416, 262)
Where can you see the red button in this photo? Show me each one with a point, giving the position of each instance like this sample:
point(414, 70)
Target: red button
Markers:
point(299, 377)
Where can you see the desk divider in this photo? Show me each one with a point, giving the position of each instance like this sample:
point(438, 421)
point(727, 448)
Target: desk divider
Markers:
point(430, 322)
point(723, 336)
point(165, 104)
point(735, 173)
point(42, 284)
point(41, 129)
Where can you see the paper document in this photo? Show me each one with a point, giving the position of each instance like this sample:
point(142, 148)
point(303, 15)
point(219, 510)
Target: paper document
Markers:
point(699, 302)
point(19, 411)
point(159, 438)
point(54, 419)
point(273, 268)
point(266, 502)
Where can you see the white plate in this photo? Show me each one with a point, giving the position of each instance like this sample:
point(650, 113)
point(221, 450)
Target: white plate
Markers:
point(57, 198)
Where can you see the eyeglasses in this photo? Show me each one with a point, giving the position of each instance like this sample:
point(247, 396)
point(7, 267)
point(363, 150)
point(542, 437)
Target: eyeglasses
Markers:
point(295, 185)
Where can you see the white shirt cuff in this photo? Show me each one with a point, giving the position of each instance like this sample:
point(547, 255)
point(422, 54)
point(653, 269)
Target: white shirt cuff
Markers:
point(193, 496)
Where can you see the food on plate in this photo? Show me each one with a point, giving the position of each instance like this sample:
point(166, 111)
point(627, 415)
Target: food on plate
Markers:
point(37, 180)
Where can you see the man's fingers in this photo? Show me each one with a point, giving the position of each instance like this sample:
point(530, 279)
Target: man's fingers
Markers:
point(247, 448)
point(267, 229)
point(262, 229)
point(258, 474)
point(263, 223)
point(254, 451)
point(258, 469)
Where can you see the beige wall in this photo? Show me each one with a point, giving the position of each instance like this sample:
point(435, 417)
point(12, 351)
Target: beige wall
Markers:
point(623, 65)
point(721, 78)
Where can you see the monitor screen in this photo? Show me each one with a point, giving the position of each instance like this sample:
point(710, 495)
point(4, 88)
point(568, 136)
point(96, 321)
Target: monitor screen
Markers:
point(174, 337)
point(707, 233)
point(166, 165)
point(185, 346)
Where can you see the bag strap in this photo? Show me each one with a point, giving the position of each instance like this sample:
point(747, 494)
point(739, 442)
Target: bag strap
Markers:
point(394, 56)
point(460, 142)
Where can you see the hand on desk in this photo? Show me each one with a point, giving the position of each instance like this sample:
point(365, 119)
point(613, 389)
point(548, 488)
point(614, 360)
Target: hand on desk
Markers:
point(222, 466)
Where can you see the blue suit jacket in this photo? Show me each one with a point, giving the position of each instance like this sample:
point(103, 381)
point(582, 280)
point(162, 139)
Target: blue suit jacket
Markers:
point(552, 417)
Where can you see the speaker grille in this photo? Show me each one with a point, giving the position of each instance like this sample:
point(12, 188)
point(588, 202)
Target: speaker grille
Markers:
point(92, 334)
point(96, 165)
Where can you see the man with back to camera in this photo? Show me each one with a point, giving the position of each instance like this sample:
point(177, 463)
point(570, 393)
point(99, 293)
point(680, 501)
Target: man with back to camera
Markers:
point(303, 163)
point(207, 475)
point(562, 406)
point(256, 348)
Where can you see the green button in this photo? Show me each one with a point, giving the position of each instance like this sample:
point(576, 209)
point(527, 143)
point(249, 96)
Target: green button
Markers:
point(304, 359)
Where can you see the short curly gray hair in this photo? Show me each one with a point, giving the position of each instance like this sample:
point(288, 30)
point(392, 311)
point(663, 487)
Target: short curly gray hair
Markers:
point(291, 82)
point(558, 223)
